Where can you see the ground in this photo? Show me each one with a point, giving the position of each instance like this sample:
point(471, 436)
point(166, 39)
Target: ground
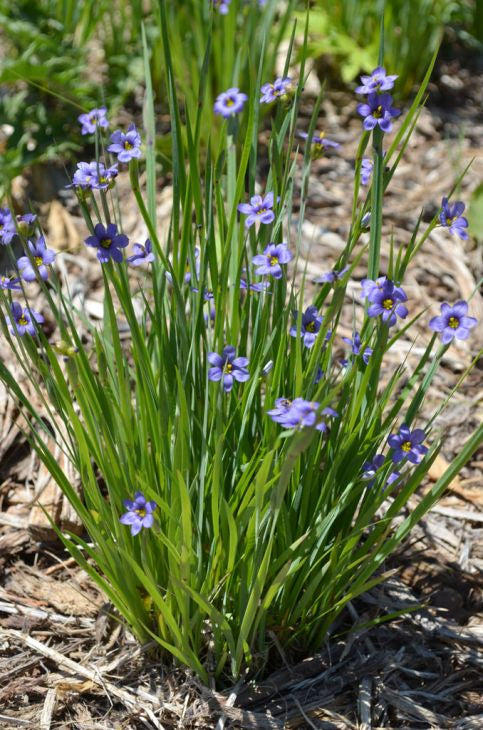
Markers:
point(64, 663)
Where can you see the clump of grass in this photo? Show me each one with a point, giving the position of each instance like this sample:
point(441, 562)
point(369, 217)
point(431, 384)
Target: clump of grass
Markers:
point(238, 481)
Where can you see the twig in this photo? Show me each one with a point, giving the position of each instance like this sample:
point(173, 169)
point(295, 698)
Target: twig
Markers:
point(129, 698)
point(20, 610)
point(459, 514)
point(48, 709)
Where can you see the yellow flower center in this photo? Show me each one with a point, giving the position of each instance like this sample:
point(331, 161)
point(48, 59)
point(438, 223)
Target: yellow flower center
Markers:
point(228, 367)
point(310, 327)
point(454, 323)
point(141, 512)
point(388, 303)
point(22, 320)
point(261, 210)
point(273, 261)
point(406, 446)
point(106, 242)
point(127, 145)
point(449, 221)
point(377, 113)
point(229, 102)
point(38, 260)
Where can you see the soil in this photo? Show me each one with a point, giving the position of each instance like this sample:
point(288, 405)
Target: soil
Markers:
point(65, 663)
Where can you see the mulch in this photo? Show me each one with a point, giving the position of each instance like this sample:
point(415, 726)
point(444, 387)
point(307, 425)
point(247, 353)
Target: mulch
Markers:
point(65, 662)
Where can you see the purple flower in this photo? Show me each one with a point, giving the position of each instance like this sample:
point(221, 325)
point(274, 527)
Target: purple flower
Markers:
point(272, 92)
point(208, 295)
point(355, 345)
point(269, 262)
point(259, 209)
point(23, 320)
point(126, 146)
point(369, 468)
point(94, 176)
point(408, 444)
point(453, 322)
point(309, 326)
point(25, 223)
point(393, 476)
point(108, 242)
point(257, 286)
point(319, 143)
point(222, 6)
point(9, 282)
point(7, 226)
point(319, 374)
point(300, 413)
point(40, 258)
point(378, 110)
point(366, 170)
point(93, 119)
point(209, 316)
point(282, 408)
point(142, 254)
point(330, 276)
point(370, 287)
point(139, 513)
point(228, 367)
point(377, 81)
point(386, 301)
point(451, 217)
point(230, 102)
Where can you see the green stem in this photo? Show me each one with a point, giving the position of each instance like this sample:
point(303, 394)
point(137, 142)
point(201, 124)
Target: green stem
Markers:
point(376, 204)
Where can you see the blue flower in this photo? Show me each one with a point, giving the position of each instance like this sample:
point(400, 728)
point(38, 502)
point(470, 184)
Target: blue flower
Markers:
point(7, 226)
point(9, 282)
point(385, 300)
point(355, 345)
point(407, 444)
point(309, 326)
point(108, 242)
point(142, 254)
point(230, 102)
point(331, 276)
point(377, 81)
point(23, 320)
point(139, 514)
point(451, 217)
point(277, 90)
point(258, 210)
point(93, 119)
point(300, 413)
point(453, 322)
point(228, 367)
point(126, 146)
point(369, 468)
point(40, 258)
point(271, 260)
point(378, 110)
point(366, 170)
point(319, 143)
point(94, 176)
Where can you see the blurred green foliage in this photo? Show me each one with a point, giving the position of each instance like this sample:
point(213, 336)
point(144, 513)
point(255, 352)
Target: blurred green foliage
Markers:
point(55, 54)
point(347, 31)
point(61, 57)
